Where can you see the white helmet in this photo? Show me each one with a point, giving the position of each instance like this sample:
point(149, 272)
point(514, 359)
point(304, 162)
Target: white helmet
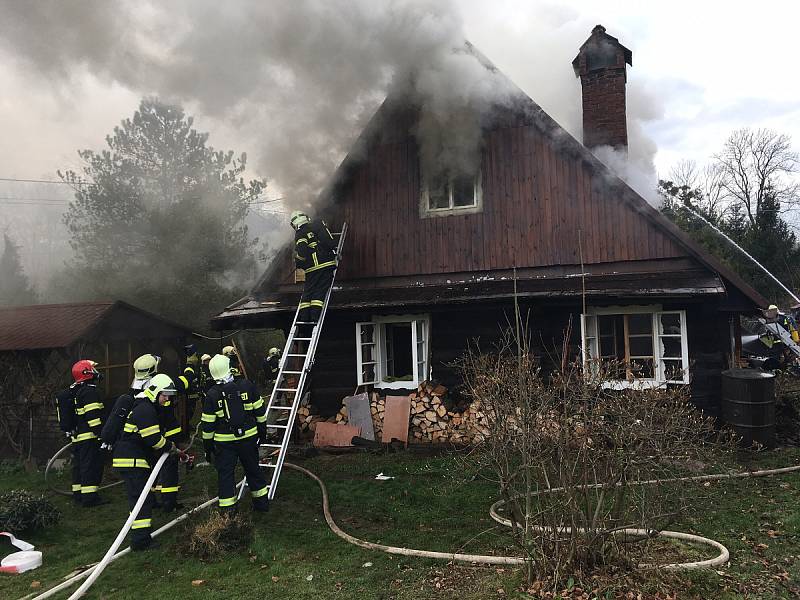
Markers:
point(298, 219)
point(220, 367)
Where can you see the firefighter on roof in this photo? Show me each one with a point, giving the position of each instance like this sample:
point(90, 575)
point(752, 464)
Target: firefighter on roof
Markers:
point(141, 441)
point(79, 416)
point(315, 253)
point(233, 421)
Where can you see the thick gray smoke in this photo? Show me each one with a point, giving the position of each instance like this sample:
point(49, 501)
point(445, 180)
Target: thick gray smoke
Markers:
point(294, 82)
point(294, 79)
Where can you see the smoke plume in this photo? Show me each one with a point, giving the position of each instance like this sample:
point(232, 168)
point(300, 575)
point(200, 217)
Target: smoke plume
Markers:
point(297, 81)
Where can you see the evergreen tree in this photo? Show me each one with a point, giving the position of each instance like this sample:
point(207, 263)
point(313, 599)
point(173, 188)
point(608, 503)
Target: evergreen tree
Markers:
point(158, 219)
point(15, 289)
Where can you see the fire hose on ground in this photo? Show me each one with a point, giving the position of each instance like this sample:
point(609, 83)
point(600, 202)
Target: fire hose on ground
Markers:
point(720, 559)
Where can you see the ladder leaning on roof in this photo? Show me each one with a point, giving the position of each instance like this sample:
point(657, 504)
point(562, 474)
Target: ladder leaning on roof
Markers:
point(288, 391)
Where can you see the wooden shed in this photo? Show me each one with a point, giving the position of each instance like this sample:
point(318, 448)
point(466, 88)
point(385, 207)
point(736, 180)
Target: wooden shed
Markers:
point(40, 343)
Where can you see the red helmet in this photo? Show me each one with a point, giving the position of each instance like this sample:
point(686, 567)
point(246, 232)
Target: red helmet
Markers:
point(84, 370)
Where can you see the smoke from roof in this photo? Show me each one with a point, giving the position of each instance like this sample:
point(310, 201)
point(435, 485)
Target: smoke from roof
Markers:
point(295, 80)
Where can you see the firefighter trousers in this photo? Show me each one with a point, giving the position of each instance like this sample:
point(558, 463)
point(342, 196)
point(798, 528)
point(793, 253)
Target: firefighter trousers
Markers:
point(246, 452)
point(168, 483)
point(87, 471)
point(135, 480)
point(316, 286)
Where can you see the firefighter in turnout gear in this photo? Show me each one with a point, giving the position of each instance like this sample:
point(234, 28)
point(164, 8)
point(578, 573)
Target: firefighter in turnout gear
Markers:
point(233, 421)
point(168, 484)
point(315, 253)
point(136, 452)
point(270, 366)
point(233, 356)
point(193, 373)
point(79, 414)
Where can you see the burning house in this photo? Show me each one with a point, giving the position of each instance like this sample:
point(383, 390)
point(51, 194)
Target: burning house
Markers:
point(435, 260)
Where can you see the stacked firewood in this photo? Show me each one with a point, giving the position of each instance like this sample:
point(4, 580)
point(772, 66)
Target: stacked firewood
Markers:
point(433, 418)
point(308, 421)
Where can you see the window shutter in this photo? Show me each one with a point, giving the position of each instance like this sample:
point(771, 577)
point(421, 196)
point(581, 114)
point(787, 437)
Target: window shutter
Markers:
point(367, 353)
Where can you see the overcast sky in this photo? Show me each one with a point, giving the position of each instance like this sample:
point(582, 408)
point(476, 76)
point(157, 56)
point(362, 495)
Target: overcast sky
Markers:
point(700, 70)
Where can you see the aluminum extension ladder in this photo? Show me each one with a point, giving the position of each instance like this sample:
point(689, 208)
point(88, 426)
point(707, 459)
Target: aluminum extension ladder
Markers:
point(784, 335)
point(284, 398)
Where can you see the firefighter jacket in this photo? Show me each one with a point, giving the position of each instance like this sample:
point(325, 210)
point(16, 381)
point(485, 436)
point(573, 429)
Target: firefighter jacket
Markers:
point(88, 411)
point(237, 400)
point(189, 381)
point(141, 436)
point(270, 366)
point(314, 247)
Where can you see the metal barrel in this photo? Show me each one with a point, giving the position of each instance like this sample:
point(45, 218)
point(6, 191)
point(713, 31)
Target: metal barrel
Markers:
point(748, 404)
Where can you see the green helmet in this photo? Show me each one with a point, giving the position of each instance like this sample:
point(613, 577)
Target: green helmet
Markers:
point(298, 219)
point(159, 384)
point(220, 367)
point(145, 366)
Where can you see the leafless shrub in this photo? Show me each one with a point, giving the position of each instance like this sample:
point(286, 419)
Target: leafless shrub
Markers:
point(567, 454)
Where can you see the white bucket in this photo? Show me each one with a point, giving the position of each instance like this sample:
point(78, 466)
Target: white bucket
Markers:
point(19, 562)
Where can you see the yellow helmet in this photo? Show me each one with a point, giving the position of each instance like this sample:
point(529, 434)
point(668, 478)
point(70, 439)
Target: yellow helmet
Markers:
point(273, 351)
point(219, 367)
point(229, 351)
point(159, 384)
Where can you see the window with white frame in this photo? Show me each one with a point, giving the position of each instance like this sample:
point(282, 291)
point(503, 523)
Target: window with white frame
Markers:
point(446, 194)
point(392, 352)
point(644, 345)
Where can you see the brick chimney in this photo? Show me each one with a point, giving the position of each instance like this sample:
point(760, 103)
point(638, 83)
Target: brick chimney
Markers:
point(601, 66)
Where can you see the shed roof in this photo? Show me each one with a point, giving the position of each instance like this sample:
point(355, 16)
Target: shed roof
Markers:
point(36, 327)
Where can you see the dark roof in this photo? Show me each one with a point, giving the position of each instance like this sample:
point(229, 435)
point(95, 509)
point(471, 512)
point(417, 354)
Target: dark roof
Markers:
point(673, 281)
point(43, 326)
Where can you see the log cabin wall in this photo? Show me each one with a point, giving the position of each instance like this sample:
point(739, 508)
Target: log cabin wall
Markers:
point(536, 198)
point(454, 328)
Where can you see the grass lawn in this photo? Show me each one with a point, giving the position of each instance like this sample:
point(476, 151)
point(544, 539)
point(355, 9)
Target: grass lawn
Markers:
point(294, 554)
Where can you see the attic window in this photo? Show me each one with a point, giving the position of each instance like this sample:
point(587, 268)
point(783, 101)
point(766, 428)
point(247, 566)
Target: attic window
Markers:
point(451, 195)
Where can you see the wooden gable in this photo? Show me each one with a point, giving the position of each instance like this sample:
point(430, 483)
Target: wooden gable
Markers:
point(548, 207)
point(542, 206)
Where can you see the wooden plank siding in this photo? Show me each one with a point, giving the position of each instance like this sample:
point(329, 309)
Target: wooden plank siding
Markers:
point(537, 199)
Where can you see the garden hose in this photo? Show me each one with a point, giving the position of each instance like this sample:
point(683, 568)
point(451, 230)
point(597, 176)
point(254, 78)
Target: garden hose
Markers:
point(105, 487)
point(64, 492)
point(720, 559)
point(98, 569)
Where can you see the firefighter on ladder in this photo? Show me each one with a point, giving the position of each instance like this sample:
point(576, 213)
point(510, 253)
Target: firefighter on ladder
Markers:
point(315, 253)
point(79, 414)
point(234, 419)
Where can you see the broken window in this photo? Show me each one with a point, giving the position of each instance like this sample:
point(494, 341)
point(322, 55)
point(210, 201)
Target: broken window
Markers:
point(640, 345)
point(392, 352)
point(446, 193)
